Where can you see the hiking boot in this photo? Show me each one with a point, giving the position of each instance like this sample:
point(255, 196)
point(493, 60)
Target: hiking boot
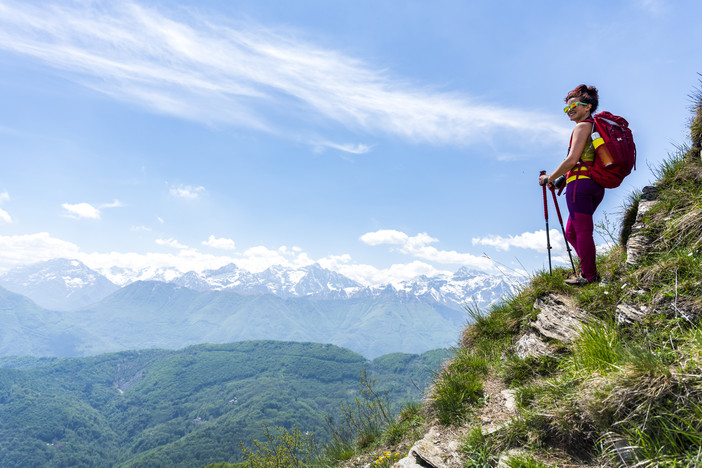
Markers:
point(580, 280)
point(576, 281)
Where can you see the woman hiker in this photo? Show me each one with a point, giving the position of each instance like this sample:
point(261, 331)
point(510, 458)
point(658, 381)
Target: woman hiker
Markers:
point(583, 194)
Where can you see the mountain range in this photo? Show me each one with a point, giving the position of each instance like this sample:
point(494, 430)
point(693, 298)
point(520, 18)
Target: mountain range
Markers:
point(64, 284)
point(63, 308)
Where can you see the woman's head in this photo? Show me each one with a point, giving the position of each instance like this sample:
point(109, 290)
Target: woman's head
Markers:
point(586, 94)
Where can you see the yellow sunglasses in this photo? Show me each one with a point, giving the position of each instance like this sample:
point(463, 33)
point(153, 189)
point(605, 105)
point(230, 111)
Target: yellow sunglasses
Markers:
point(570, 107)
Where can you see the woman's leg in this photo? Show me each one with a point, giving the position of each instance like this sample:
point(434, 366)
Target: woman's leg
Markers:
point(584, 228)
point(581, 205)
point(571, 235)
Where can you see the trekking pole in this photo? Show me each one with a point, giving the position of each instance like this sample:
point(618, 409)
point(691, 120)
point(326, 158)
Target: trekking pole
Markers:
point(548, 238)
point(560, 220)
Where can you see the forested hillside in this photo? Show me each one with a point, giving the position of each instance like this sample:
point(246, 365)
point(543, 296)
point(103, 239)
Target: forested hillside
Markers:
point(182, 408)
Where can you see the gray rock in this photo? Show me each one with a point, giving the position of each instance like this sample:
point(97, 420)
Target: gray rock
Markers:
point(408, 462)
point(531, 345)
point(559, 319)
point(629, 314)
point(433, 451)
point(638, 242)
point(509, 400)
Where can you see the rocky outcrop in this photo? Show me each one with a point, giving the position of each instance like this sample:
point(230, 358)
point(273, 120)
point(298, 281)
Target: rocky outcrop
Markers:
point(435, 450)
point(559, 318)
point(638, 241)
point(627, 313)
point(532, 345)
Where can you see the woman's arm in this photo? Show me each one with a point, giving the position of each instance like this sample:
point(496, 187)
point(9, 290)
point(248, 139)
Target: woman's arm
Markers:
point(580, 135)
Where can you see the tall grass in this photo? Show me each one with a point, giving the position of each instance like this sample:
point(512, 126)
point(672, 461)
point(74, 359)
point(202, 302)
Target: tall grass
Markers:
point(597, 349)
point(458, 386)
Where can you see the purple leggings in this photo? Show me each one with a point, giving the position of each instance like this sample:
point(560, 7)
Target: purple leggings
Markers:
point(583, 196)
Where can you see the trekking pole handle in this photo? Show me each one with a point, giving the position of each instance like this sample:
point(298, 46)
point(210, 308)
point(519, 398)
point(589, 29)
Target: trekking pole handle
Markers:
point(540, 174)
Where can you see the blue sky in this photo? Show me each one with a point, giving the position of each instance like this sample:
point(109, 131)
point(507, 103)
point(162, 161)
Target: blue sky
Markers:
point(381, 139)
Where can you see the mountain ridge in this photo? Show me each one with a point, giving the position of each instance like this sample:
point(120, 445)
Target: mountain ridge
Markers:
point(67, 284)
point(153, 314)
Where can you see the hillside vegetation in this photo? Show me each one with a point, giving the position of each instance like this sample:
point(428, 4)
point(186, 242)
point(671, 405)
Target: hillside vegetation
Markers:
point(186, 408)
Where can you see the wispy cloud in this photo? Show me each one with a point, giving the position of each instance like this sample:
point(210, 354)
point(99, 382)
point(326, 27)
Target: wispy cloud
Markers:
point(171, 243)
point(187, 192)
point(245, 74)
point(418, 246)
point(220, 243)
point(81, 211)
point(358, 148)
point(115, 204)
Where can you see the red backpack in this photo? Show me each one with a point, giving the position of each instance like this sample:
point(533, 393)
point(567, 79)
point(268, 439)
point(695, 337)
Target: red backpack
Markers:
point(615, 151)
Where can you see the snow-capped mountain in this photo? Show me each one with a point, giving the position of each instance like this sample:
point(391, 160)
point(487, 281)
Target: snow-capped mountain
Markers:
point(68, 284)
point(58, 284)
point(461, 288)
point(464, 286)
point(285, 282)
point(231, 304)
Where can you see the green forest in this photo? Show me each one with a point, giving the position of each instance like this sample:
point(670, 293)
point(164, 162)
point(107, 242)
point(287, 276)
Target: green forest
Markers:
point(184, 408)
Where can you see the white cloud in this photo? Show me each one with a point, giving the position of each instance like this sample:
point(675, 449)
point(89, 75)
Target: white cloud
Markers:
point(528, 240)
point(32, 248)
point(369, 275)
point(81, 210)
point(121, 267)
point(171, 243)
point(385, 236)
point(187, 192)
point(220, 243)
point(418, 246)
point(4, 215)
point(259, 258)
point(210, 71)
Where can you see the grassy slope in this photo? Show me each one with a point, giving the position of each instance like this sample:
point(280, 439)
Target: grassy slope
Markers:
point(617, 385)
point(620, 394)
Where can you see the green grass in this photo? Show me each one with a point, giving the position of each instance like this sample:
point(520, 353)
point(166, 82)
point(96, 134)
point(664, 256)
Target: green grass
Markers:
point(479, 451)
point(524, 461)
point(459, 386)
